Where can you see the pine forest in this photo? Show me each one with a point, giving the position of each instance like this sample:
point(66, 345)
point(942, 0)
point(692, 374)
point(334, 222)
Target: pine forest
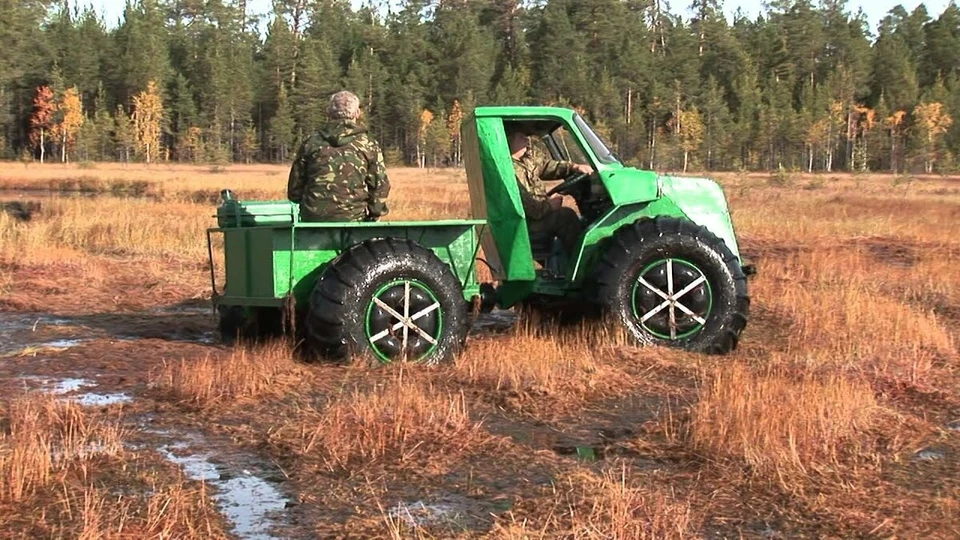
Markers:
point(804, 86)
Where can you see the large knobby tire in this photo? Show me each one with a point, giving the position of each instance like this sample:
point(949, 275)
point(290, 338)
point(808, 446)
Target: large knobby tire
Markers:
point(359, 303)
point(673, 283)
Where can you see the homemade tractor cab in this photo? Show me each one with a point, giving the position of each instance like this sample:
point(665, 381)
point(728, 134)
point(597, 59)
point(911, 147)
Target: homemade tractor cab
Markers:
point(658, 253)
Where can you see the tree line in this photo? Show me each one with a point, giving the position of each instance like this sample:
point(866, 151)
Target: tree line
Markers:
point(802, 86)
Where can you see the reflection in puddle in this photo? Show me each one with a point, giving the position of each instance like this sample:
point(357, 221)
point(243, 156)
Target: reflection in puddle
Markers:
point(930, 455)
point(68, 385)
point(244, 498)
point(450, 510)
point(94, 399)
point(61, 344)
point(186, 310)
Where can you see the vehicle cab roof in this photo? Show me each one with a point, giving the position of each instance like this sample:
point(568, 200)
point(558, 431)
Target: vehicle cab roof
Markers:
point(523, 112)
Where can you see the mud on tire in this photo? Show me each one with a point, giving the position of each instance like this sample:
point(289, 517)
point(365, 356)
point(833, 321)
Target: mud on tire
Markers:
point(355, 304)
point(651, 261)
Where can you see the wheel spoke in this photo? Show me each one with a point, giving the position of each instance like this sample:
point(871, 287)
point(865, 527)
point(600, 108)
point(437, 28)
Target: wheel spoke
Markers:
point(672, 326)
point(425, 311)
point(654, 311)
point(692, 315)
point(673, 321)
point(405, 321)
point(388, 309)
point(422, 333)
point(406, 317)
point(647, 284)
point(689, 287)
point(670, 278)
point(381, 334)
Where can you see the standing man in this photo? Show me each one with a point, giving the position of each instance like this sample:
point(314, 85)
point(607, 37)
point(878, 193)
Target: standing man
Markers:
point(546, 217)
point(338, 173)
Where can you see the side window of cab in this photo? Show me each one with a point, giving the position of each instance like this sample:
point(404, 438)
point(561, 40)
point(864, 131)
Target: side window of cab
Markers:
point(565, 146)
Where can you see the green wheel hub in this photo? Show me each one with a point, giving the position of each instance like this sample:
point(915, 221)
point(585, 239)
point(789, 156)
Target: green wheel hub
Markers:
point(672, 299)
point(404, 321)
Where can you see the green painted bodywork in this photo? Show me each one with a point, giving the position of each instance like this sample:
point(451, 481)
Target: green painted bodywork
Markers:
point(269, 253)
point(634, 194)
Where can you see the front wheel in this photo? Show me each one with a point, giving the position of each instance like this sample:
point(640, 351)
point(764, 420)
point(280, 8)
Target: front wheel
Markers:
point(390, 299)
point(670, 282)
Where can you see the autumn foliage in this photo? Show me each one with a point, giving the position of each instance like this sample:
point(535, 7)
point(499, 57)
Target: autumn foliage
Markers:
point(147, 117)
point(71, 120)
point(42, 119)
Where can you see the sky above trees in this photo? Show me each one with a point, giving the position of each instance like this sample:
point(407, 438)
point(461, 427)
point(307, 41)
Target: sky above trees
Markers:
point(875, 10)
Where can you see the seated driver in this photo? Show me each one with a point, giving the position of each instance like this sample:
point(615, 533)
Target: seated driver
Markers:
point(546, 217)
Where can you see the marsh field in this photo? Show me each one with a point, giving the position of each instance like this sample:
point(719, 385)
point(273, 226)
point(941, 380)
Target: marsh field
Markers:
point(122, 416)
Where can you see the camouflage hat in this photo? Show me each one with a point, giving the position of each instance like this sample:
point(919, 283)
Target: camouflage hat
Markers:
point(344, 104)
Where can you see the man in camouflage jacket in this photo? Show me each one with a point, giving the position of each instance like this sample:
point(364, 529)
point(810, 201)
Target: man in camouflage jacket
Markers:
point(546, 217)
point(338, 173)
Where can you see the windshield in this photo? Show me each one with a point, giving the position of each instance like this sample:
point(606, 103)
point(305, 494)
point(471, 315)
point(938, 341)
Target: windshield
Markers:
point(603, 153)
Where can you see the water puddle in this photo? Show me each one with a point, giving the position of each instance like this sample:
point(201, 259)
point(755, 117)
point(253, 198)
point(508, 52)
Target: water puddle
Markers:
point(61, 344)
point(595, 452)
point(72, 385)
point(40, 348)
point(20, 334)
point(94, 399)
point(448, 510)
point(497, 320)
point(67, 385)
point(930, 454)
point(246, 500)
point(196, 309)
point(206, 338)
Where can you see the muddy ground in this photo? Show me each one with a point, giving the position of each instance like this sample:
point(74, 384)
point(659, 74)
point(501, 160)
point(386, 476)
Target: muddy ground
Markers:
point(102, 330)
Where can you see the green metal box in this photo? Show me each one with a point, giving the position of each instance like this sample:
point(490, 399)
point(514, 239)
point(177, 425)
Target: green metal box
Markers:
point(233, 213)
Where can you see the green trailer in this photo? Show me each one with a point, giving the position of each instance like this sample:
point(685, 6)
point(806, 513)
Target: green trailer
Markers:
point(658, 253)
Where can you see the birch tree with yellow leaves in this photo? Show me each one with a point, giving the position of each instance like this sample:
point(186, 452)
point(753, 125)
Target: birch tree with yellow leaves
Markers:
point(894, 126)
point(147, 118)
point(931, 122)
point(72, 118)
point(426, 118)
point(453, 127)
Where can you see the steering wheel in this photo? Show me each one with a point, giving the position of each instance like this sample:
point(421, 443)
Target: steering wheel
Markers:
point(565, 186)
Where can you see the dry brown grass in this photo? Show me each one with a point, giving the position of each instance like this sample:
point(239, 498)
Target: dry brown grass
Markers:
point(406, 423)
point(856, 321)
point(172, 511)
point(612, 504)
point(45, 436)
point(249, 372)
point(55, 456)
point(531, 370)
point(848, 310)
point(781, 423)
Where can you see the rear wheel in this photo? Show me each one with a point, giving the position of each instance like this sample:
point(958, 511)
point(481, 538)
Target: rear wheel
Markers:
point(670, 282)
point(391, 300)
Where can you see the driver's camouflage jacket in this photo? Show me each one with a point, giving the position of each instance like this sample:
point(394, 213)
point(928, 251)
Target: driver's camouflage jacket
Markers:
point(531, 168)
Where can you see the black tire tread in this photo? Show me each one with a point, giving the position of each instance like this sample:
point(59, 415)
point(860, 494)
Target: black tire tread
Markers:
point(628, 241)
point(351, 271)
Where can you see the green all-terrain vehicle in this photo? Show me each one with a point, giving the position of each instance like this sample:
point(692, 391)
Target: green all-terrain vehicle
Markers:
point(658, 253)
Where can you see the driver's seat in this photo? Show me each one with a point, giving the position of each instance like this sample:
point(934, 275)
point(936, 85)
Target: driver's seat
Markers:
point(541, 247)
